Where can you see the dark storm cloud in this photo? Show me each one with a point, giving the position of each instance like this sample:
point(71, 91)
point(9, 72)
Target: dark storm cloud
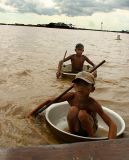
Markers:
point(29, 6)
point(88, 7)
point(69, 7)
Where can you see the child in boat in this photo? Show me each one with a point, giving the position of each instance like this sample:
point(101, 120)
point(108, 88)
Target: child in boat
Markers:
point(81, 116)
point(77, 60)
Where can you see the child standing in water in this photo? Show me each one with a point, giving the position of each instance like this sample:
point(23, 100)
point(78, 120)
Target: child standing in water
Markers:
point(77, 60)
point(83, 109)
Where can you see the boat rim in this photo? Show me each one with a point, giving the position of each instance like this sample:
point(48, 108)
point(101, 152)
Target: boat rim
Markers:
point(82, 137)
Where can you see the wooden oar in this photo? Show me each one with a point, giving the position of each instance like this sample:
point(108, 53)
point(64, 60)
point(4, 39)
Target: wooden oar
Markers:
point(63, 60)
point(65, 55)
point(93, 69)
point(57, 98)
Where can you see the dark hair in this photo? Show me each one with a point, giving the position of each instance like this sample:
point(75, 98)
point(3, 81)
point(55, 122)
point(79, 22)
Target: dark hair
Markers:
point(81, 81)
point(79, 45)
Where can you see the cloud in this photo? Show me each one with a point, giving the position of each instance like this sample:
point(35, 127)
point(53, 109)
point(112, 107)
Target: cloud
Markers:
point(65, 7)
point(31, 6)
point(88, 7)
point(6, 8)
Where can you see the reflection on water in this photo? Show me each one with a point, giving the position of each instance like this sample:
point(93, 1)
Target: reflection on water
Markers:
point(28, 62)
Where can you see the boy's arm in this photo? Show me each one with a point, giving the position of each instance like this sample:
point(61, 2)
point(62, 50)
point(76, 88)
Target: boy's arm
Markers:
point(89, 61)
point(60, 66)
point(112, 126)
point(32, 113)
point(66, 97)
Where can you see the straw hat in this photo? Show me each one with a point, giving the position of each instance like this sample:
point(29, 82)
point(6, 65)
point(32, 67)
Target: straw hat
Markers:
point(85, 76)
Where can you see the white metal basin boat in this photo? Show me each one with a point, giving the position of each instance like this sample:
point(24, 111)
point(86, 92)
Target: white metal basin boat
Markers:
point(66, 71)
point(56, 118)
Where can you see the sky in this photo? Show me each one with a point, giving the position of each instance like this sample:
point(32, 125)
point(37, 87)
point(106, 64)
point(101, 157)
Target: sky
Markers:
point(91, 14)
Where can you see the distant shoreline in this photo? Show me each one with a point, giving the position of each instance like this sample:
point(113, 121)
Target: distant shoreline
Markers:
point(62, 26)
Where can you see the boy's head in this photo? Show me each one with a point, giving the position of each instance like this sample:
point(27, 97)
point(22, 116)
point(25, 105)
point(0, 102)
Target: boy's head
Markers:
point(85, 76)
point(79, 45)
point(84, 82)
point(79, 48)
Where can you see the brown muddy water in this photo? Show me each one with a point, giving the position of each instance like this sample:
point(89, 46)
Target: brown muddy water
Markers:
point(28, 63)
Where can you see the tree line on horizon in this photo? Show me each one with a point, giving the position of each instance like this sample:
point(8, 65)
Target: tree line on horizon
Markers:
point(62, 26)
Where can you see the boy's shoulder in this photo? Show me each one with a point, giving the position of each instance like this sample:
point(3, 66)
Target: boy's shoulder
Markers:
point(70, 94)
point(94, 106)
point(71, 55)
point(95, 102)
point(84, 55)
point(74, 55)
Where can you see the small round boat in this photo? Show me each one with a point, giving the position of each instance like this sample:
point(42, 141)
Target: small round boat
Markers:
point(66, 71)
point(56, 117)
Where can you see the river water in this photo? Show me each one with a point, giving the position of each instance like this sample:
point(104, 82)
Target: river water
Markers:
point(28, 61)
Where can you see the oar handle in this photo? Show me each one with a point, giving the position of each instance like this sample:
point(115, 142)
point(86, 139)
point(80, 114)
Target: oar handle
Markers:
point(57, 98)
point(93, 69)
point(58, 74)
point(65, 55)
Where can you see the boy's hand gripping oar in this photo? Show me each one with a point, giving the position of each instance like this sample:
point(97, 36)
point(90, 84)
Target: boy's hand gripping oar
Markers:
point(60, 66)
point(37, 110)
point(63, 60)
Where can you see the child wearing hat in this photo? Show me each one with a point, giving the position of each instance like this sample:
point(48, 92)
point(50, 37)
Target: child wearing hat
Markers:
point(81, 117)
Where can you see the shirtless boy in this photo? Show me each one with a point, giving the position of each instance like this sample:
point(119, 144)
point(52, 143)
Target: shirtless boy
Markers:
point(82, 113)
point(77, 60)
